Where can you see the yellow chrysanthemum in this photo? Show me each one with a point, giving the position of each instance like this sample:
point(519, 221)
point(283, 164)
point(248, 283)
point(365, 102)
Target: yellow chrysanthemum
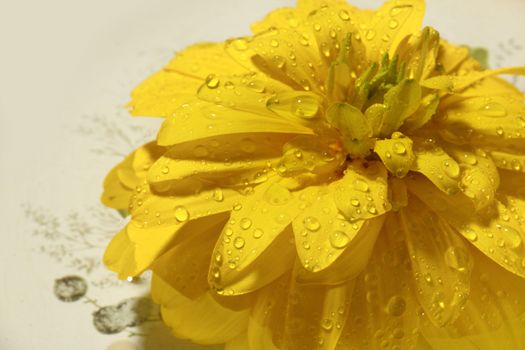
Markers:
point(339, 180)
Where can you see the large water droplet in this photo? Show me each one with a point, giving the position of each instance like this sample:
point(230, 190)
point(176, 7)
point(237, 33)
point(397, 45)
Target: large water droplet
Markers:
point(305, 106)
point(212, 81)
point(399, 148)
point(311, 223)
point(344, 15)
point(339, 239)
point(181, 214)
point(218, 195)
point(361, 185)
point(396, 306)
point(451, 168)
point(511, 236)
point(238, 242)
point(457, 258)
point(245, 223)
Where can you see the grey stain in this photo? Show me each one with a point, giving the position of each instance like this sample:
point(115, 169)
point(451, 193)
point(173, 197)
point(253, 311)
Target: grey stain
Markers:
point(128, 313)
point(70, 288)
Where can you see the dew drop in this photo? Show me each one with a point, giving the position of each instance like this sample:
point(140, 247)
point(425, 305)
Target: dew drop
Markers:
point(499, 131)
point(327, 324)
point(218, 195)
point(258, 233)
point(200, 151)
point(305, 107)
point(511, 236)
point(339, 239)
point(396, 306)
point(317, 27)
point(245, 223)
point(399, 148)
point(451, 168)
point(274, 43)
point(212, 81)
point(181, 214)
point(165, 170)
point(311, 223)
point(393, 24)
point(360, 185)
point(344, 15)
point(516, 165)
point(240, 44)
point(355, 202)
point(370, 34)
point(456, 258)
point(238, 242)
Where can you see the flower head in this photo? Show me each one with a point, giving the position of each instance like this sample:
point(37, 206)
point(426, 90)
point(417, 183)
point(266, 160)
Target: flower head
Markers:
point(342, 179)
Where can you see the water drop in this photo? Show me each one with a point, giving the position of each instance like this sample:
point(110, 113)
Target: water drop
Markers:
point(311, 223)
point(218, 195)
point(355, 202)
point(245, 223)
point(360, 185)
point(339, 239)
point(238, 242)
point(164, 170)
point(451, 168)
point(274, 43)
point(327, 324)
point(393, 24)
point(200, 151)
point(181, 214)
point(258, 233)
point(317, 27)
point(457, 258)
point(279, 61)
point(344, 15)
point(499, 131)
point(305, 107)
point(396, 306)
point(399, 148)
point(370, 34)
point(212, 81)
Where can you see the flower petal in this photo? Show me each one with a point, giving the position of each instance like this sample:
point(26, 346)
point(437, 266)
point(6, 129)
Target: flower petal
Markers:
point(184, 266)
point(383, 312)
point(451, 56)
point(321, 233)
point(315, 315)
point(238, 343)
point(497, 233)
point(254, 247)
point(440, 262)
point(493, 316)
point(362, 192)
point(396, 154)
point(392, 22)
point(200, 120)
point(436, 165)
point(202, 320)
point(115, 194)
point(479, 175)
point(494, 122)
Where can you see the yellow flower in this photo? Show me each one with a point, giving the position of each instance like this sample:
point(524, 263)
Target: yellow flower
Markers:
point(341, 179)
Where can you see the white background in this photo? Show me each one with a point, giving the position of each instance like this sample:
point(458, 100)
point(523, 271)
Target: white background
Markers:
point(64, 61)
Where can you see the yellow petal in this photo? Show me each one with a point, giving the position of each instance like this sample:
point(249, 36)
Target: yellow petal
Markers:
point(350, 264)
point(162, 94)
point(427, 109)
point(401, 101)
point(238, 343)
point(436, 165)
point(201, 60)
point(495, 121)
point(254, 247)
point(420, 51)
point(315, 315)
point(200, 120)
point(509, 161)
point(267, 317)
point(454, 83)
point(451, 56)
point(392, 22)
point(362, 192)
point(290, 56)
point(396, 154)
point(440, 262)
point(479, 175)
point(115, 194)
point(383, 310)
point(492, 318)
point(129, 175)
point(497, 233)
point(120, 255)
point(184, 267)
point(201, 320)
point(321, 233)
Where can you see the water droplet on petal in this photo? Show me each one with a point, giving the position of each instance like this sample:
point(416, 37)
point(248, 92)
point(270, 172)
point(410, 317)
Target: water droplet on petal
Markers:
point(238, 242)
point(343, 14)
point(181, 214)
point(396, 306)
point(245, 223)
point(327, 324)
point(311, 223)
point(370, 34)
point(451, 168)
point(399, 148)
point(360, 185)
point(258, 233)
point(393, 24)
point(339, 239)
point(305, 107)
point(212, 81)
point(164, 170)
point(456, 258)
point(218, 195)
